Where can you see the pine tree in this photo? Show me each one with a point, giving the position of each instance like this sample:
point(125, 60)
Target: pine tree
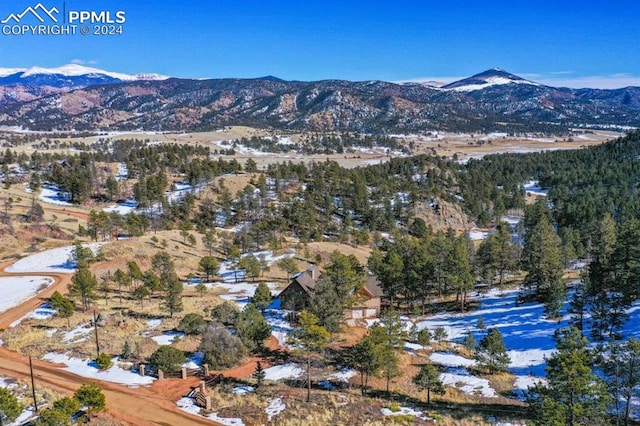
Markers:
point(428, 378)
point(83, 285)
point(362, 358)
point(310, 338)
point(252, 328)
point(621, 365)
point(259, 375)
point(492, 353)
point(262, 297)
point(458, 272)
point(10, 408)
point(63, 305)
point(470, 343)
point(173, 297)
point(542, 261)
point(326, 305)
point(574, 395)
point(91, 396)
point(209, 265)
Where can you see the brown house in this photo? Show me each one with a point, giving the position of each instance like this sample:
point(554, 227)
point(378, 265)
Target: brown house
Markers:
point(295, 297)
point(367, 300)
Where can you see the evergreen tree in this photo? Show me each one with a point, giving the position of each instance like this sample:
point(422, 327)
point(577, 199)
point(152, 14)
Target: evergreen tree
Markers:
point(173, 296)
point(363, 358)
point(91, 396)
point(326, 305)
point(289, 265)
point(10, 408)
point(310, 338)
point(496, 254)
point(262, 297)
point(209, 265)
point(63, 305)
point(167, 358)
point(387, 335)
point(428, 378)
point(252, 328)
point(470, 342)
point(52, 417)
point(578, 305)
point(250, 265)
point(458, 272)
point(621, 365)
point(542, 261)
point(83, 285)
point(259, 375)
point(492, 353)
point(574, 395)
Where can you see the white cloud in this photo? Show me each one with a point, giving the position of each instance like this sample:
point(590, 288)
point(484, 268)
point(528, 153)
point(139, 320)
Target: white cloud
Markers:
point(439, 79)
point(83, 62)
point(612, 81)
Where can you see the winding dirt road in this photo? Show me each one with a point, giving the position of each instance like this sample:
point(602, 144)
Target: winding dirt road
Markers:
point(140, 406)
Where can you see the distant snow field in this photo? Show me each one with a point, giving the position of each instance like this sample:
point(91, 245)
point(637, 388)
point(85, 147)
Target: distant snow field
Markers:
point(15, 290)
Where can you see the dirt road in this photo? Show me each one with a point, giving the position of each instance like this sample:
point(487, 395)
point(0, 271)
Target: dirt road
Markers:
point(142, 406)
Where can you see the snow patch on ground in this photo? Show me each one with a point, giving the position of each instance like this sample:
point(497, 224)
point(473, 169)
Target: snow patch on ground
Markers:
point(532, 187)
point(466, 383)
point(195, 360)
point(404, 411)
point(449, 359)
point(477, 235)
point(243, 390)
point(154, 323)
point(524, 382)
point(275, 407)
point(343, 375)
point(43, 312)
point(78, 334)
point(284, 371)
point(53, 195)
point(54, 261)
point(15, 290)
point(89, 369)
point(168, 337)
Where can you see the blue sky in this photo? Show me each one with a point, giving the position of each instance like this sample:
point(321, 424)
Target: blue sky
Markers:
point(572, 43)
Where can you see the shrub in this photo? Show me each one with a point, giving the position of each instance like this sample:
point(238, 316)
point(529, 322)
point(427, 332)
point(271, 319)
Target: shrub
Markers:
point(225, 313)
point(10, 408)
point(192, 324)
point(167, 358)
point(53, 417)
point(67, 405)
point(221, 349)
point(91, 396)
point(104, 361)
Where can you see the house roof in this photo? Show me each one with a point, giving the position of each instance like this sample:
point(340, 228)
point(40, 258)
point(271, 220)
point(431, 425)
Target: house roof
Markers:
point(306, 282)
point(372, 286)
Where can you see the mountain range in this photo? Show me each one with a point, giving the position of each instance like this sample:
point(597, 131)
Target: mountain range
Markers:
point(79, 98)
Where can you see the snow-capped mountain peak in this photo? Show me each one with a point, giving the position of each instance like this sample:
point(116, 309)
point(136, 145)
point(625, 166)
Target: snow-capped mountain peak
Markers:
point(70, 75)
point(492, 77)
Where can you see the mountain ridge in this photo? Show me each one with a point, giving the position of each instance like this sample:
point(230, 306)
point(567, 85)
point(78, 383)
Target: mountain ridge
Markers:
point(491, 100)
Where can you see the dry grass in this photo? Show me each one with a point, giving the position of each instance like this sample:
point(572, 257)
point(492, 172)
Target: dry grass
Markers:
point(324, 248)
